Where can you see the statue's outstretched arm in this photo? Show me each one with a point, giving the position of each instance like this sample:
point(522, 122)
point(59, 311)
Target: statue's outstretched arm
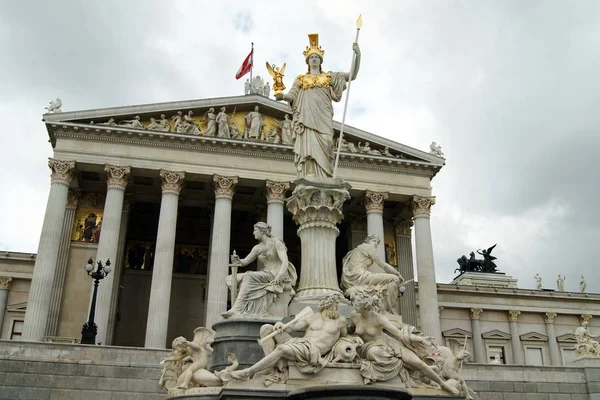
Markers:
point(385, 266)
point(250, 257)
point(356, 65)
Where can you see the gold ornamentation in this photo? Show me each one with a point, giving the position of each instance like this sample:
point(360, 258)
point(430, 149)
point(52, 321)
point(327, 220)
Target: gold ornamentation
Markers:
point(277, 74)
point(224, 185)
point(308, 81)
point(421, 206)
point(62, 171)
point(276, 191)
point(171, 181)
point(87, 225)
point(374, 201)
point(117, 176)
point(475, 312)
point(404, 227)
point(513, 315)
point(585, 318)
point(5, 282)
point(549, 317)
point(313, 48)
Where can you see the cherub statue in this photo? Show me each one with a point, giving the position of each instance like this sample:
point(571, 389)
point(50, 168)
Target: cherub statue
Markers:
point(199, 350)
point(173, 365)
point(277, 74)
point(54, 106)
point(454, 356)
point(436, 149)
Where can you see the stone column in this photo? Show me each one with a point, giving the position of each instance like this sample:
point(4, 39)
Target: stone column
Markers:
point(118, 266)
point(216, 302)
point(317, 209)
point(275, 198)
point(117, 178)
point(5, 283)
point(515, 340)
point(555, 358)
point(61, 263)
point(478, 347)
point(428, 302)
point(374, 206)
point(162, 272)
point(408, 301)
point(40, 292)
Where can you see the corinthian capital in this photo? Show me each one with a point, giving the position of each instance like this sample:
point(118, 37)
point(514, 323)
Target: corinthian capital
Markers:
point(403, 227)
point(549, 317)
point(475, 312)
point(585, 318)
point(224, 185)
point(276, 191)
point(513, 315)
point(117, 176)
point(421, 206)
point(374, 201)
point(62, 171)
point(5, 282)
point(171, 181)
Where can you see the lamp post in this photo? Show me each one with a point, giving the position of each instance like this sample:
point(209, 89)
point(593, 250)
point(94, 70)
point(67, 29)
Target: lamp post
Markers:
point(89, 331)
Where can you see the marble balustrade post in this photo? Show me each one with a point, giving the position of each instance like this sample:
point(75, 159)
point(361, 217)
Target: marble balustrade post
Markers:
point(117, 177)
point(216, 302)
point(555, 358)
point(5, 284)
point(478, 346)
point(62, 261)
point(429, 314)
point(515, 339)
point(162, 272)
point(275, 199)
point(408, 301)
point(40, 292)
point(374, 207)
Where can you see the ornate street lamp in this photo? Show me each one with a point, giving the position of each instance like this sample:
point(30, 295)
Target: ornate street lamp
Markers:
point(89, 331)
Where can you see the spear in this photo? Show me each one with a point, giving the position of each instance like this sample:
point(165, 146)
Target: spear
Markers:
point(337, 155)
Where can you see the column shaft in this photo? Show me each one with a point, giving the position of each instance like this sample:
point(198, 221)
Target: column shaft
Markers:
point(162, 273)
point(61, 264)
point(555, 358)
point(275, 218)
point(5, 283)
point(515, 340)
point(478, 347)
point(375, 227)
point(40, 292)
point(408, 302)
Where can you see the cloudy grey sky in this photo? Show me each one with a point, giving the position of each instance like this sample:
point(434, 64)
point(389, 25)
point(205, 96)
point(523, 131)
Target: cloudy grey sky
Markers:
point(510, 89)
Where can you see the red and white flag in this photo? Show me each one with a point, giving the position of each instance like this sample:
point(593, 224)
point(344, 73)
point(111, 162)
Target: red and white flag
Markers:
point(246, 66)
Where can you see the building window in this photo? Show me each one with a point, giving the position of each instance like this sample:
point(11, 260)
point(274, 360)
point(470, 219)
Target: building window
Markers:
point(533, 356)
point(17, 330)
point(567, 355)
point(496, 350)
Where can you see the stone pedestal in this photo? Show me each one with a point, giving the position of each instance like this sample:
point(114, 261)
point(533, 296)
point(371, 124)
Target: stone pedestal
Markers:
point(485, 279)
point(238, 336)
point(316, 206)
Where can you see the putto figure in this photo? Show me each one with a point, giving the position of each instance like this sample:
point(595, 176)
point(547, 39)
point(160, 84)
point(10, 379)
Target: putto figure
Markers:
point(311, 98)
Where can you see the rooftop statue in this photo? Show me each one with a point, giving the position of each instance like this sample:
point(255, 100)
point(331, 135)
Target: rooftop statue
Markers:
point(473, 264)
point(538, 281)
point(436, 149)
point(54, 106)
point(311, 98)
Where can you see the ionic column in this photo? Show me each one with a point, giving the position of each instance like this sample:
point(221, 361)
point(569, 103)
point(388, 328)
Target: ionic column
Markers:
point(478, 347)
point(374, 206)
point(61, 262)
point(428, 302)
point(275, 198)
point(552, 343)
point(162, 272)
point(117, 178)
point(40, 292)
point(216, 302)
point(408, 302)
point(317, 209)
point(5, 283)
point(515, 340)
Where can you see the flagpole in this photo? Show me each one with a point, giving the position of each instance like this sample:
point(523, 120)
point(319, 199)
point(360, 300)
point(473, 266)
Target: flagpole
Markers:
point(337, 155)
point(251, 63)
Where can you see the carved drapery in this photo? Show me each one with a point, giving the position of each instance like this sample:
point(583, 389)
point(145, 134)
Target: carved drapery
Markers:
point(61, 171)
point(421, 206)
point(224, 185)
point(374, 201)
point(276, 191)
point(117, 176)
point(171, 181)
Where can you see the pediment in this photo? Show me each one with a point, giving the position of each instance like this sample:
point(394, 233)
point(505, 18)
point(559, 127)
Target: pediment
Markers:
point(496, 334)
point(457, 333)
point(566, 338)
point(17, 307)
point(534, 337)
point(115, 120)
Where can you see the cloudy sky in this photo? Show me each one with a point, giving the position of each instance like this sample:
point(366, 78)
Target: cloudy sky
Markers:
point(510, 89)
